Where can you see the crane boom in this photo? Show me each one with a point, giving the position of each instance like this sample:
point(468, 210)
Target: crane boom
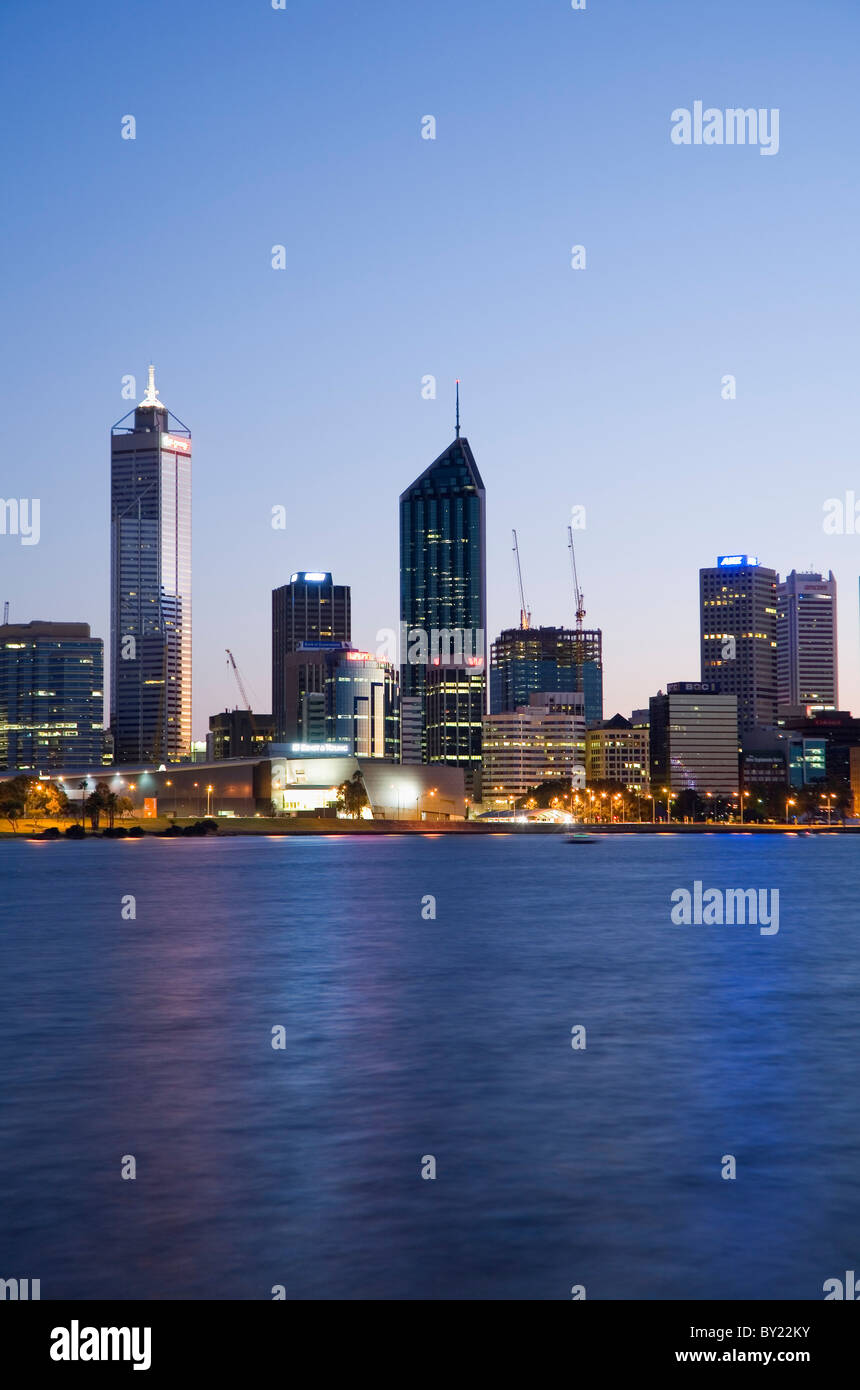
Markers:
point(242, 691)
point(525, 613)
point(579, 599)
point(577, 592)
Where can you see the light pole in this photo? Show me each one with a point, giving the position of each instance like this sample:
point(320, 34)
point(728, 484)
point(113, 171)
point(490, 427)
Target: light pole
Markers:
point(668, 796)
point(788, 802)
point(209, 790)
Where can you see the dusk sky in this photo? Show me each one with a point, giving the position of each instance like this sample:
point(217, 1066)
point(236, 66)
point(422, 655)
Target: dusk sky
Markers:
point(407, 257)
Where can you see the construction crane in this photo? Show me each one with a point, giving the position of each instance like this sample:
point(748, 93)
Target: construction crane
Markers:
point(5, 612)
point(577, 592)
point(525, 613)
point(242, 691)
point(579, 600)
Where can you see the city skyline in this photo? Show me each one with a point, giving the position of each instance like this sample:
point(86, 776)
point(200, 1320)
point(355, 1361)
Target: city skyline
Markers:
point(174, 453)
point(600, 387)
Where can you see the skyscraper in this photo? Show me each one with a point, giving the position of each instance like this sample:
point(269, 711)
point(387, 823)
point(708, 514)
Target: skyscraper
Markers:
point(443, 600)
point(806, 640)
point(51, 696)
point(150, 663)
point(337, 695)
point(693, 739)
point(309, 609)
point(524, 661)
point(737, 605)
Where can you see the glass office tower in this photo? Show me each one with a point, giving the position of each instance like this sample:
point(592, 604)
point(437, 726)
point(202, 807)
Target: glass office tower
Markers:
point(150, 695)
point(528, 661)
point(51, 697)
point(443, 596)
point(311, 608)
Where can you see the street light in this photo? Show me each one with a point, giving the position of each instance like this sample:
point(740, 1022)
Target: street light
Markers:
point(209, 790)
point(789, 802)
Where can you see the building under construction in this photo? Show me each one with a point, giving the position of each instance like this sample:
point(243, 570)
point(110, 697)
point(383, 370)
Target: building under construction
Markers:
point(525, 661)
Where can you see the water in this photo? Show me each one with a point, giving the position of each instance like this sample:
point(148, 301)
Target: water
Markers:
point(409, 1037)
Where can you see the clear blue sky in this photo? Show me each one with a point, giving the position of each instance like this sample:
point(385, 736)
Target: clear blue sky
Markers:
point(407, 257)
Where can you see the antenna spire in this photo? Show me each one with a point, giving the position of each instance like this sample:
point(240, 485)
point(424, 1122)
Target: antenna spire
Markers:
point(151, 395)
point(457, 422)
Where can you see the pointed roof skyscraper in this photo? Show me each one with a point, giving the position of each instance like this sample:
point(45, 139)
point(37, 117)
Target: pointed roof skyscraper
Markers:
point(443, 589)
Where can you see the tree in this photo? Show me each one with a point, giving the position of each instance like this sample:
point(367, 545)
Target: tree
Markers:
point(124, 806)
point(13, 799)
point(45, 800)
point(98, 801)
point(352, 796)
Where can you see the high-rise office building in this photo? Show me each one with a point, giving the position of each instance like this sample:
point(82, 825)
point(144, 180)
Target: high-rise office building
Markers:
point(150, 662)
point(524, 661)
point(806, 660)
point(443, 602)
point(238, 733)
point(737, 605)
point(311, 608)
point(337, 695)
point(454, 708)
point(542, 741)
point(51, 696)
point(693, 739)
point(411, 728)
point(616, 750)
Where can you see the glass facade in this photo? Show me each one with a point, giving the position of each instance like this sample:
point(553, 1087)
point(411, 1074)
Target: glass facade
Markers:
point(527, 661)
point(151, 588)
point(443, 590)
point(308, 609)
point(335, 694)
point(453, 716)
point(51, 697)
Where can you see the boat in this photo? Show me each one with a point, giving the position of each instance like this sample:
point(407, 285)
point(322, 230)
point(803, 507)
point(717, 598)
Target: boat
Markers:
point(580, 837)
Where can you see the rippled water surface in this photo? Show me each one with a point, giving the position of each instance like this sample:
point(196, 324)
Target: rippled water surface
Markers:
point(408, 1037)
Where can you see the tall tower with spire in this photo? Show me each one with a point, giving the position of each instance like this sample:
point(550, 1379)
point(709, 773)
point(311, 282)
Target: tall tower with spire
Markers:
point(150, 661)
point(443, 606)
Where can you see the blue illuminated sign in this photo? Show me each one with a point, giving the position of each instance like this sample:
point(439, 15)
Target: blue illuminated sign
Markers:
point(724, 560)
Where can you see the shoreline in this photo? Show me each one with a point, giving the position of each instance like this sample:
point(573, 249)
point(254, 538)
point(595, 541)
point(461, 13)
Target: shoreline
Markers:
point(232, 829)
